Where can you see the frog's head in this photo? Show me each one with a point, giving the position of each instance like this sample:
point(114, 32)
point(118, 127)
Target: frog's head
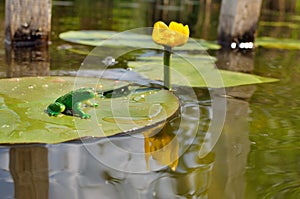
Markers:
point(83, 94)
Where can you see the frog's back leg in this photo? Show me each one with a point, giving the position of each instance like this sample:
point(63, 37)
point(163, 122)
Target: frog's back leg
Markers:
point(55, 109)
point(77, 111)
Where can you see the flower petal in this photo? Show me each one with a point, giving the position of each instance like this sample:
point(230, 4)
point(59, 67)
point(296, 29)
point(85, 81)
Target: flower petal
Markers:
point(186, 31)
point(160, 25)
point(175, 26)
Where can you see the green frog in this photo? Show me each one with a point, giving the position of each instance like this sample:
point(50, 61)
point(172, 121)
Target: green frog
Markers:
point(71, 102)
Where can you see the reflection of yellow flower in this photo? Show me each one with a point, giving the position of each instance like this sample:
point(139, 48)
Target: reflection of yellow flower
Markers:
point(162, 147)
point(174, 35)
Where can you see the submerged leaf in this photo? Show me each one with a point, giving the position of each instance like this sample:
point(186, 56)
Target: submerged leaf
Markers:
point(23, 102)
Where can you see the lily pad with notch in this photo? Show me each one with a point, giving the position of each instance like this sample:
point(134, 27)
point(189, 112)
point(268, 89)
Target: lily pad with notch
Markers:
point(23, 101)
point(194, 71)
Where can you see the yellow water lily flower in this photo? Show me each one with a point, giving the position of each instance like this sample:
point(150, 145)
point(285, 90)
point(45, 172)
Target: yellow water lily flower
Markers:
point(176, 34)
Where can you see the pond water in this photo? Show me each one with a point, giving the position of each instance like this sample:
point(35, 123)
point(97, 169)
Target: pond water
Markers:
point(256, 156)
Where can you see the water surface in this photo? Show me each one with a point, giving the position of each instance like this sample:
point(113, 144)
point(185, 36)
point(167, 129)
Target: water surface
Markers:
point(257, 154)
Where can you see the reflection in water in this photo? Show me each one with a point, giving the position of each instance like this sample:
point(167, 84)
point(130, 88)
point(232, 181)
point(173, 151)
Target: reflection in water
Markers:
point(233, 146)
point(29, 169)
point(232, 150)
point(27, 61)
point(6, 183)
point(74, 173)
point(162, 147)
point(235, 60)
point(240, 61)
point(191, 183)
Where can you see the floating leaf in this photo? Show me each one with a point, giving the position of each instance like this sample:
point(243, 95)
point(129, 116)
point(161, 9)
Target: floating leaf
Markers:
point(269, 42)
point(194, 71)
point(127, 39)
point(23, 102)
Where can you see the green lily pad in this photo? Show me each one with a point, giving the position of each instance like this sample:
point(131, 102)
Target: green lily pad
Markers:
point(23, 102)
point(127, 39)
point(194, 71)
point(269, 42)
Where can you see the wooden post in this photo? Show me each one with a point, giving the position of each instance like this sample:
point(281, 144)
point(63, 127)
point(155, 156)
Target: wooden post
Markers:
point(27, 22)
point(238, 21)
point(27, 33)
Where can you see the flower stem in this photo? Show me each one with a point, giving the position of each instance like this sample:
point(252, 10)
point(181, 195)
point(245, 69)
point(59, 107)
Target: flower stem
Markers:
point(167, 71)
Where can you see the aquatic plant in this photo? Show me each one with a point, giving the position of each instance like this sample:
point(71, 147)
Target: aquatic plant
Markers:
point(176, 34)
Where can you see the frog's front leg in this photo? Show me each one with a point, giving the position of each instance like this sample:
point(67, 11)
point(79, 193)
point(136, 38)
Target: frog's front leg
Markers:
point(55, 109)
point(89, 103)
point(77, 111)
